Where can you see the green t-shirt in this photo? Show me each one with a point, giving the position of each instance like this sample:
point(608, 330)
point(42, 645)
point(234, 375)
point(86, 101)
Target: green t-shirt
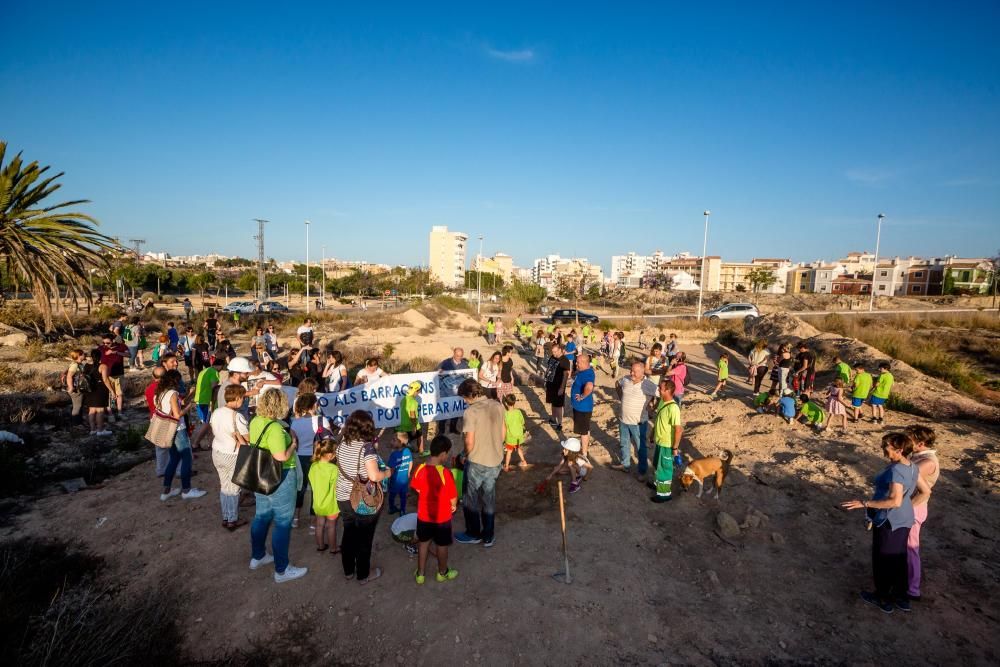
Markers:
point(323, 482)
point(276, 440)
point(550, 328)
point(883, 385)
point(844, 372)
point(586, 330)
point(814, 414)
point(408, 424)
point(723, 369)
point(203, 390)
point(514, 419)
point(668, 415)
point(491, 327)
point(862, 385)
point(760, 399)
point(474, 363)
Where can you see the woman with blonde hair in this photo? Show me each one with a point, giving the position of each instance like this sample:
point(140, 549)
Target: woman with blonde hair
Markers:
point(268, 431)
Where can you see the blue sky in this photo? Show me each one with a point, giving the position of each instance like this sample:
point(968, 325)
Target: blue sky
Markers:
point(583, 129)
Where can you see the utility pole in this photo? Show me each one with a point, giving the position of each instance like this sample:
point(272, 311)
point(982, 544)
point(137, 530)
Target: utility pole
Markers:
point(261, 279)
point(479, 276)
point(307, 267)
point(137, 246)
point(704, 251)
point(878, 239)
point(322, 267)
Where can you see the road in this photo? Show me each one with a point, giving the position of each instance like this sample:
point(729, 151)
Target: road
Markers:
point(808, 313)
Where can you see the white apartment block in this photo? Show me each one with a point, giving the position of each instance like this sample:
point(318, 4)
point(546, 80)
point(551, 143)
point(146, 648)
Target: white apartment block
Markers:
point(548, 271)
point(447, 256)
point(625, 269)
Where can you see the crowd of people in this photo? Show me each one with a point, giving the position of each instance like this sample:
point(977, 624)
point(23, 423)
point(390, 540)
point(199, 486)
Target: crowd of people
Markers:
point(233, 400)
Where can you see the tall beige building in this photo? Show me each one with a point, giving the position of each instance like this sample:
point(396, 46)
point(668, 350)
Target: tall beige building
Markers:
point(447, 256)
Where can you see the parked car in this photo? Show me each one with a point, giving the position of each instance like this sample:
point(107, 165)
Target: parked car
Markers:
point(271, 307)
point(238, 307)
point(733, 311)
point(572, 315)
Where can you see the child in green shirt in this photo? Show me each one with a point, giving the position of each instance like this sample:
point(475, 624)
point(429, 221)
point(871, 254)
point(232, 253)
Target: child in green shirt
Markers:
point(514, 420)
point(842, 370)
point(811, 413)
point(723, 375)
point(860, 390)
point(881, 392)
point(323, 475)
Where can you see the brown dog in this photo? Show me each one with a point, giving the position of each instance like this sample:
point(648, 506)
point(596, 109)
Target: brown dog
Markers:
point(701, 469)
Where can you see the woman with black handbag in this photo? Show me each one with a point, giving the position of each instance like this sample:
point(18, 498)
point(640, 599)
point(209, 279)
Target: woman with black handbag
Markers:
point(269, 432)
point(359, 495)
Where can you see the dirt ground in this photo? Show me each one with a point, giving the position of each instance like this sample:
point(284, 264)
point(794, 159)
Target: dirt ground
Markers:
point(652, 584)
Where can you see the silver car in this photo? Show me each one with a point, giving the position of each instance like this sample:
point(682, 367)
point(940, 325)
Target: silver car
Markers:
point(733, 311)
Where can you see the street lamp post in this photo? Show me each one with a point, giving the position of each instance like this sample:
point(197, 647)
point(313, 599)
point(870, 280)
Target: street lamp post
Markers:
point(704, 251)
point(307, 267)
point(322, 268)
point(878, 239)
point(479, 276)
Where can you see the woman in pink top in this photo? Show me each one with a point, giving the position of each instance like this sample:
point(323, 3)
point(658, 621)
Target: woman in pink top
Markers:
point(926, 461)
point(678, 372)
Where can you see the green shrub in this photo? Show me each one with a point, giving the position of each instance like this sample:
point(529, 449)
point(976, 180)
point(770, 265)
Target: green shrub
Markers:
point(34, 351)
point(130, 439)
point(453, 303)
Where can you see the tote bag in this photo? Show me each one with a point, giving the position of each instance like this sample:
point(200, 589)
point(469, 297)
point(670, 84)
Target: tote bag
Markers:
point(256, 470)
point(162, 429)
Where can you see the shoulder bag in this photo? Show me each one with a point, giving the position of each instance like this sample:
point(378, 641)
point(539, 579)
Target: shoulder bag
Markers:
point(162, 429)
point(256, 470)
point(366, 496)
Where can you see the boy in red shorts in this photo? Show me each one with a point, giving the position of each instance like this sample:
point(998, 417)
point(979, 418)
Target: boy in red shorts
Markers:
point(437, 501)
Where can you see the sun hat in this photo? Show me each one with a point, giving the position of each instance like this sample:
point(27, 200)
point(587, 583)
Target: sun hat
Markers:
point(240, 365)
point(571, 444)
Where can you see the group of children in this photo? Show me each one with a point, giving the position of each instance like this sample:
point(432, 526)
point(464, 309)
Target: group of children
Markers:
point(804, 408)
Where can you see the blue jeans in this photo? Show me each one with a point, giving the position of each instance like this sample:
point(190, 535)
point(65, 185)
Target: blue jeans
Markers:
point(300, 497)
point(180, 453)
point(678, 398)
point(629, 433)
point(480, 500)
point(278, 507)
point(133, 355)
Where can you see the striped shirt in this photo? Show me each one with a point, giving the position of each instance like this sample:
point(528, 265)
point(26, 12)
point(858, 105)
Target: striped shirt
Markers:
point(348, 456)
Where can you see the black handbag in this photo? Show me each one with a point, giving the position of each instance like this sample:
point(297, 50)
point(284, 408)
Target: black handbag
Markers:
point(256, 470)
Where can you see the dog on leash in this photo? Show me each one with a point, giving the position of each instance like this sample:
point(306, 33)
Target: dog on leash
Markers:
point(699, 470)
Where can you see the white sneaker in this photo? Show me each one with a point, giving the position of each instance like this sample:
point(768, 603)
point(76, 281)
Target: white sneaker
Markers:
point(105, 433)
point(168, 496)
point(192, 493)
point(255, 563)
point(291, 572)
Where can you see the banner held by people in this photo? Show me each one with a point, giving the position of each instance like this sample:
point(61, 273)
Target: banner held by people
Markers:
point(438, 398)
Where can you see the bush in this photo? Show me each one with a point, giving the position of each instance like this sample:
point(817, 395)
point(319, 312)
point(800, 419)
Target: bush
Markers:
point(146, 297)
point(169, 298)
point(130, 439)
point(453, 303)
point(34, 351)
point(417, 365)
point(18, 408)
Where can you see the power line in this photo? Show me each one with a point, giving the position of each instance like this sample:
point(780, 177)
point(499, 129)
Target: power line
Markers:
point(137, 245)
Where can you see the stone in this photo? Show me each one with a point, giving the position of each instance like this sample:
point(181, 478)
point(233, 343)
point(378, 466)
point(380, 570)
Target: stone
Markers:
point(727, 525)
point(14, 340)
point(73, 485)
point(713, 577)
point(777, 538)
point(651, 637)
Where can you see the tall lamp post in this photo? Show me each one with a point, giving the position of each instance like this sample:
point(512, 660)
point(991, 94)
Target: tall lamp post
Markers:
point(479, 276)
point(322, 269)
point(878, 239)
point(704, 251)
point(307, 267)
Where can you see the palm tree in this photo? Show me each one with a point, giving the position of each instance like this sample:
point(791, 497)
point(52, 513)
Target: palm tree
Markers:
point(44, 246)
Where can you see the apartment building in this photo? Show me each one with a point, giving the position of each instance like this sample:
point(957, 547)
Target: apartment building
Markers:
point(824, 277)
point(447, 256)
point(551, 270)
point(631, 268)
point(500, 264)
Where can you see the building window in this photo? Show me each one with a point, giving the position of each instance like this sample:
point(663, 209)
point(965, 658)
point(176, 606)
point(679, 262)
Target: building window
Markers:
point(881, 288)
point(916, 288)
point(883, 273)
point(918, 274)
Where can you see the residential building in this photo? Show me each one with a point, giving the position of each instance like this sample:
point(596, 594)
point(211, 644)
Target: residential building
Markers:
point(633, 266)
point(858, 262)
point(973, 276)
point(552, 270)
point(801, 279)
point(500, 264)
point(692, 266)
point(447, 256)
point(852, 283)
point(824, 277)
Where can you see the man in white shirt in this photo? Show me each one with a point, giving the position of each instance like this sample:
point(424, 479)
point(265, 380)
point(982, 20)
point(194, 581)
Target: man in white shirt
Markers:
point(305, 332)
point(637, 394)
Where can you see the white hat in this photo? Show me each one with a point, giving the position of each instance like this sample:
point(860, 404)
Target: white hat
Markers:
point(240, 365)
point(571, 444)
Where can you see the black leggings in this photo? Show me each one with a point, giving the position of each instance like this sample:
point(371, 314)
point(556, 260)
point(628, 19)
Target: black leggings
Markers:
point(356, 544)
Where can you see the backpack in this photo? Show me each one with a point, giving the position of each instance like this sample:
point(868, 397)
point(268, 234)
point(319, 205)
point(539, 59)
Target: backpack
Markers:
point(127, 334)
point(80, 381)
point(323, 431)
point(156, 353)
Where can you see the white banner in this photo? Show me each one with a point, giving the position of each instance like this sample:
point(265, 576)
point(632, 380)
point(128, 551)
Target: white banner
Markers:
point(438, 398)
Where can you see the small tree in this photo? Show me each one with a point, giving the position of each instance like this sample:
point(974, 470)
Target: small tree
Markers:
point(760, 279)
point(524, 296)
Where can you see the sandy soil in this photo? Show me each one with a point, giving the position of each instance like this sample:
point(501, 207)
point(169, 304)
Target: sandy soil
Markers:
point(652, 584)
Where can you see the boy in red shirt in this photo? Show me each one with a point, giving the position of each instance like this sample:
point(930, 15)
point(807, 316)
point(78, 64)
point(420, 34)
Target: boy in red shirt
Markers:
point(437, 501)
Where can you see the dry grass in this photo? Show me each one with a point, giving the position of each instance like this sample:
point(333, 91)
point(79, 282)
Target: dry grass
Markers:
point(937, 345)
point(20, 381)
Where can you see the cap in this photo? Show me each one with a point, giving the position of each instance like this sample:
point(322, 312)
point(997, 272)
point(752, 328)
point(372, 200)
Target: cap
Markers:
point(571, 444)
point(416, 386)
point(240, 365)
